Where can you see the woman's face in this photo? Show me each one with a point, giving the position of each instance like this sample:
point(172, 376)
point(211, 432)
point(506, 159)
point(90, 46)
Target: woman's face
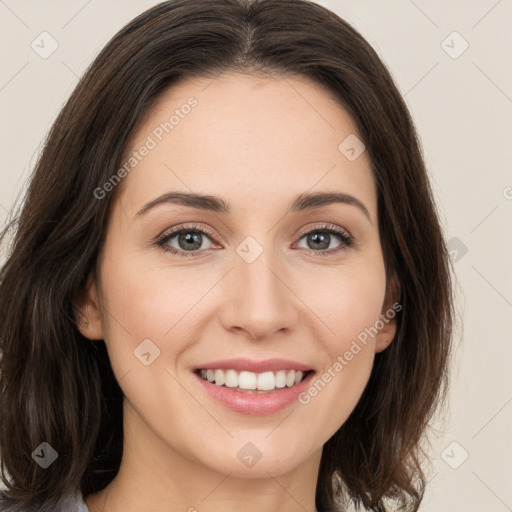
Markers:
point(254, 283)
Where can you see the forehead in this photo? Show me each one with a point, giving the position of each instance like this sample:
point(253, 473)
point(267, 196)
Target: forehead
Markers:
point(246, 138)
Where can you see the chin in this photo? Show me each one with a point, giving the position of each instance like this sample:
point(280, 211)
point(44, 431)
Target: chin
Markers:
point(259, 459)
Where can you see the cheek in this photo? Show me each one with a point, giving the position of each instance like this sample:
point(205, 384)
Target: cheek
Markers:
point(348, 306)
point(148, 302)
point(353, 318)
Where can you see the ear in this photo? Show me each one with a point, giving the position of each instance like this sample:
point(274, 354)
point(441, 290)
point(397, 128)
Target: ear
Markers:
point(387, 320)
point(88, 311)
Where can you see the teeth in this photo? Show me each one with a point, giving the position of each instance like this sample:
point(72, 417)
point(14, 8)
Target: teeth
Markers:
point(280, 379)
point(266, 381)
point(219, 377)
point(246, 380)
point(230, 378)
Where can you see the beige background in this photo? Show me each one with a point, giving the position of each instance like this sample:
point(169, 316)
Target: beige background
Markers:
point(462, 105)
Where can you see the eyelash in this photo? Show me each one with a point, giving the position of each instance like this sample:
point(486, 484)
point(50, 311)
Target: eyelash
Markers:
point(345, 238)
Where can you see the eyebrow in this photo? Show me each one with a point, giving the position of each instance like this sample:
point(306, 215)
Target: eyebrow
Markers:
point(303, 202)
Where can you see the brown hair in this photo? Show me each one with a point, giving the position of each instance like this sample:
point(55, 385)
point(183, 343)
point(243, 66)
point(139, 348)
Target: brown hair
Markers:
point(58, 387)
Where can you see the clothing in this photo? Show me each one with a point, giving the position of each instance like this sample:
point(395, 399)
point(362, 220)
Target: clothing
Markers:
point(70, 503)
point(73, 503)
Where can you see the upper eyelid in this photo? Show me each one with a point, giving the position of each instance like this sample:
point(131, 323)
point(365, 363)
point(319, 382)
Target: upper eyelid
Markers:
point(327, 226)
point(174, 231)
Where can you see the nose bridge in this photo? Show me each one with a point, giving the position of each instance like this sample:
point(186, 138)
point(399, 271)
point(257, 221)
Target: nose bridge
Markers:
point(257, 267)
point(260, 302)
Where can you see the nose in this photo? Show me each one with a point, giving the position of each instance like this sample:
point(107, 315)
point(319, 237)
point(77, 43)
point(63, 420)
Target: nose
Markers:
point(258, 299)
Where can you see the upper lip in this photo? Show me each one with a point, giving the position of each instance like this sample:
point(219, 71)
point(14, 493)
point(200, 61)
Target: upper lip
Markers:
point(251, 365)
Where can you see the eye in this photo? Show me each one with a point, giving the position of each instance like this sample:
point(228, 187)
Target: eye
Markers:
point(189, 240)
point(320, 238)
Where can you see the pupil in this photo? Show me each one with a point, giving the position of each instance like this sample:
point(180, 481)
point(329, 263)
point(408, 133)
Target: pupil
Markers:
point(315, 239)
point(190, 239)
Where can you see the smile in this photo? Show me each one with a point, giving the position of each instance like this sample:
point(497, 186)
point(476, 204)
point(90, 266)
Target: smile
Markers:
point(251, 382)
point(252, 387)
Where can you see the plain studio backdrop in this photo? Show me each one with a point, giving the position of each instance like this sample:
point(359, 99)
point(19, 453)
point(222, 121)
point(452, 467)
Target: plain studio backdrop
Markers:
point(451, 61)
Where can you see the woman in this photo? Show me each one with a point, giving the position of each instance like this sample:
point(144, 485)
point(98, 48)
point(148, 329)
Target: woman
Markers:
point(228, 284)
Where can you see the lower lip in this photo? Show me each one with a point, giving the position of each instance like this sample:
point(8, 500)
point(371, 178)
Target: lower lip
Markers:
point(255, 404)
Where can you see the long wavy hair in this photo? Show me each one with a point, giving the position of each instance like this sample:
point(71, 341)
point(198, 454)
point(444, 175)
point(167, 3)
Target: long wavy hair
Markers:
point(58, 387)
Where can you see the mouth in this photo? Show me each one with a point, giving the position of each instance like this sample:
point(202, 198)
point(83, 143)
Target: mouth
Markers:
point(254, 387)
point(251, 382)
